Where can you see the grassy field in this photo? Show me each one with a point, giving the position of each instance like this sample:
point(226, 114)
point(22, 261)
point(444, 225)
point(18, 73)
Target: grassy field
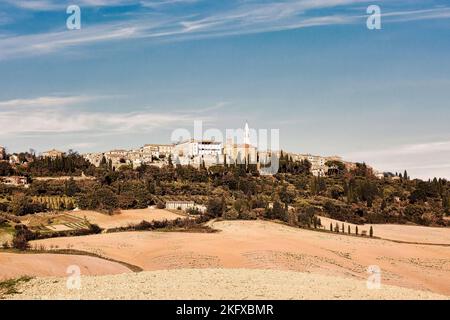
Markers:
point(49, 222)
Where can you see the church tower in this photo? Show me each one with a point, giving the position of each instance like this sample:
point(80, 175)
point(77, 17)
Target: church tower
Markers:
point(246, 134)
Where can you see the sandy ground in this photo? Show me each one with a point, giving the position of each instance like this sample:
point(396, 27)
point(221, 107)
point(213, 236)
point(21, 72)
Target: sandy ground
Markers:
point(125, 217)
point(13, 265)
point(204, 284)
point(267, 245)
point(406, 233)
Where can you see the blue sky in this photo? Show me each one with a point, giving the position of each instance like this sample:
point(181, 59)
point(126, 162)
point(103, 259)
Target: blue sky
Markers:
point(137, 70)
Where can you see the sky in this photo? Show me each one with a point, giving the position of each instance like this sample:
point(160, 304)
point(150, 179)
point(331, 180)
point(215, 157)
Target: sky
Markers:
point(138, 70)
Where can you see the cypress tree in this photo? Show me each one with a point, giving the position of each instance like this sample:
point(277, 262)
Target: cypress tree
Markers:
point(356, 230)
point(371, 232)
point(349, 231)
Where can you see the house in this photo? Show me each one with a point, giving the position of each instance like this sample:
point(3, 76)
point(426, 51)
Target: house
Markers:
point(184, 205)
point(53, 154)
point(15, 181)
point(14, 159)
point(194, 148)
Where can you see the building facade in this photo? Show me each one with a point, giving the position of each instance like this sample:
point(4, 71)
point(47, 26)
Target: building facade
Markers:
point(2, 153)
point(195, 148)
point(53, 154)
point(184, 206)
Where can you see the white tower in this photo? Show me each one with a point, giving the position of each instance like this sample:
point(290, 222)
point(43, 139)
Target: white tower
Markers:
point(246, 134)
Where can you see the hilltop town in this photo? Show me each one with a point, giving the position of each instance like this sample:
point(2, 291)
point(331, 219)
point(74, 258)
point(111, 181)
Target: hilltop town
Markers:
point(196, 153)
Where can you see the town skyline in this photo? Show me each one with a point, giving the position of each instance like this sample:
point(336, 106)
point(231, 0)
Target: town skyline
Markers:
point(137, 70)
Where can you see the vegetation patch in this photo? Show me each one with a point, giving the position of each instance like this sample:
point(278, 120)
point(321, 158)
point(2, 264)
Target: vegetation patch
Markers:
point(9, 287)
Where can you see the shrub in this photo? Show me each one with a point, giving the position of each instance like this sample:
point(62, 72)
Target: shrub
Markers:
point(160, 205)
point(216, 207)
point(20, 242)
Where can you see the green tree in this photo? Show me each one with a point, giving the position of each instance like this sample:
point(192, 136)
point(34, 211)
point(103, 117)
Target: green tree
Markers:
point(216, 207)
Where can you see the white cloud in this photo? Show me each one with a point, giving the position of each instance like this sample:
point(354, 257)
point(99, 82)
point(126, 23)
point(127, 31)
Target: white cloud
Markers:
point(162, 3)
point(48, 101)
point(245, 17)
point(38, 5)
point(50, 5)
point(48, 120)
point(49, 42)
point(422, 160)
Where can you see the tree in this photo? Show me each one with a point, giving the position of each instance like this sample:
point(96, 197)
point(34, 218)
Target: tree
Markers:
point(71, 187)
point(279, 212)
point(371, 232)
point(446, 203)
point(20, 242)
point(356, 231)
point(349, 230)
point(22, 205)
point(383, 205)
point(102, 199)
point(405, 176)
point(216, 207)
point(336, 228)
point(331, 226)
point(6, 169)
point(343, 229)
point(21, 237)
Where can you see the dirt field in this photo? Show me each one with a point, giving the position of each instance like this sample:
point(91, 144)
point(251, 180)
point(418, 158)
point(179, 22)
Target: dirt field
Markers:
point(125, 217)
point(267, 245)
point(204, 284)
point(406, 233)
point(70, 220)
point(13, 265)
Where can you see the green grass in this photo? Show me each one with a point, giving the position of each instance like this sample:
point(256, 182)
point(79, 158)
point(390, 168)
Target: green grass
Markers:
point(9, 287)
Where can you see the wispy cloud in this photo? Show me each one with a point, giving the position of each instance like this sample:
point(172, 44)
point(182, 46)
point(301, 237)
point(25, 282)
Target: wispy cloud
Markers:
point(49, 5)
point(247, 17)
point(243, 17)
point(48, 101)
point(422, 160)
point(49, 121)
point(162, 3)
